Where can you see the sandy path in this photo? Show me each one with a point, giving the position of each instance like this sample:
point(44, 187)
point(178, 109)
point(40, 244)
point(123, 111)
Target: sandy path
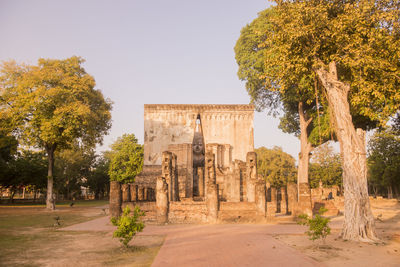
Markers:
point(217, 245)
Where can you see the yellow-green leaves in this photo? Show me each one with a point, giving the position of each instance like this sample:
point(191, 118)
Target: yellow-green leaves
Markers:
point(53, 103)
point(362, 37)
point(126, 159)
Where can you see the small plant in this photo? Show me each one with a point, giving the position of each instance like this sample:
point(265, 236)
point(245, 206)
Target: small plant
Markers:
point(128, 225)
point(318, 226)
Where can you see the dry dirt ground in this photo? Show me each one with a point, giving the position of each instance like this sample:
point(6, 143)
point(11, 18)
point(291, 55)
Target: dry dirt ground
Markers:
point(337, 252)
point(91, 243)
point(30, 237)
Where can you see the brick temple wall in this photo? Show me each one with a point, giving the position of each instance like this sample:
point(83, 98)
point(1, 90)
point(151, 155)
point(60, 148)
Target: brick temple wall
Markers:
point(166, 125)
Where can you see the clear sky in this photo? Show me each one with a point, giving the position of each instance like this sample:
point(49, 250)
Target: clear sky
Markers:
point(143, 52)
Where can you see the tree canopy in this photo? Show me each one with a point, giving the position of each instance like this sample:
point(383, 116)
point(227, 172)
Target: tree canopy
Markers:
point(325, 166)
point(384, 163)
point(126, 159)
point(51, 106)
point(275, 166)
point(359, 42)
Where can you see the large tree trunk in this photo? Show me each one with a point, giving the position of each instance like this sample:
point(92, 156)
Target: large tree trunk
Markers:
point(50, 202)
point(303, 187)
point(306, 147)
point(358, 223)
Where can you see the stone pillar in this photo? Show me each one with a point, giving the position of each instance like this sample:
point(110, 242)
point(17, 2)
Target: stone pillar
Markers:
point(260, 198)
point(140, 194)
point(200, 173)
point(227, 158)
point(292, 197)
point(211, 188)
point(170, 172)
point(251, 175)
point(273, 194)
point(134, 192)
point(283, 201)
point(271, 209)
point(115, 199)
point(212, 202)
point(304, 206)
point(126, 194)
point(209, 170)
point(162, 203)
point(237, 193)
point(145, 194)
point(174, 179)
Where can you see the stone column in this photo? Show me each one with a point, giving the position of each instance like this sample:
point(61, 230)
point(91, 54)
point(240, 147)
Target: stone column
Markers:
point(292, 197)
point(174, 178)
point(115, 199)
point(211, 188)
point(251, 175)
point(200, 173)
point(170, 172)
point(140, 193)
point(283, 201)
point(126, 195)
point(260, 198)
point(209, 170)
point(134, 192)
point(146, 194)
point(162, 203)
point(304, 206)
point(271, 206)
point(212, 203)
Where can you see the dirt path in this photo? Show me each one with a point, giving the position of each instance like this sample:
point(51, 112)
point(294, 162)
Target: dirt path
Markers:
point(229, 245)
point(267, 244)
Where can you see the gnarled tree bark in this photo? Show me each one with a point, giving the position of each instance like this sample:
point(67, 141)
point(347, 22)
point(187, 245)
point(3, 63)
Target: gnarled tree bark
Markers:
point(303, 188)
point(359, 222)
point(306, 147)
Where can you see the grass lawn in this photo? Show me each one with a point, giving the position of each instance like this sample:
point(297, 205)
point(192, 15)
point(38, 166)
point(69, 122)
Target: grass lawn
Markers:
point(30, 236)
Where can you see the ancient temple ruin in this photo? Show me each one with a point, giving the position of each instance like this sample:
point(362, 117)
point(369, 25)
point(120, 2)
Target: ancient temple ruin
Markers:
point(200, 166)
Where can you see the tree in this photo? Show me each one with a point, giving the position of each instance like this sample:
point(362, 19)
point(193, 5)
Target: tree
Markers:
point(384, 163)
point(98, 180)
point(126, 159)
point(359, 41)
point(326, 166)
point(26, 168)
point(302, 114)
point(275, 166)
point(51, 106)
point(72, 168)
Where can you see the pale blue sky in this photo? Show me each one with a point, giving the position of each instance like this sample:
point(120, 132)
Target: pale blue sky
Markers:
point(143, 52)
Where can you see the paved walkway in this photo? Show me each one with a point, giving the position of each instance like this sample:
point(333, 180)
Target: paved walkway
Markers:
point(217, 245)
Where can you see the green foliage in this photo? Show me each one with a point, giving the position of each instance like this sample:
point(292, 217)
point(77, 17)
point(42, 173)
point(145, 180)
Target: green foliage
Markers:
point(325, 166)
point(71, 169)
point(26, 168)
point(126, 159)
point(250, 59)
point(128, 225)
point(53, 103)
point(384, 162)
point(318, 226)
point(276, 166)
point(362, 37)
point(261, 81)
point(52, 106)
point(8, 147)
point(98, 180)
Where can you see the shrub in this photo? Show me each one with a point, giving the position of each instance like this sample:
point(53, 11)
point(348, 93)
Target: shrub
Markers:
point(128, 225)
point(318, 226)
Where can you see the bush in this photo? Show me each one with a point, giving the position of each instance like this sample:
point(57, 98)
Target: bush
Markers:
point(318, 226)
point(128, 225)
